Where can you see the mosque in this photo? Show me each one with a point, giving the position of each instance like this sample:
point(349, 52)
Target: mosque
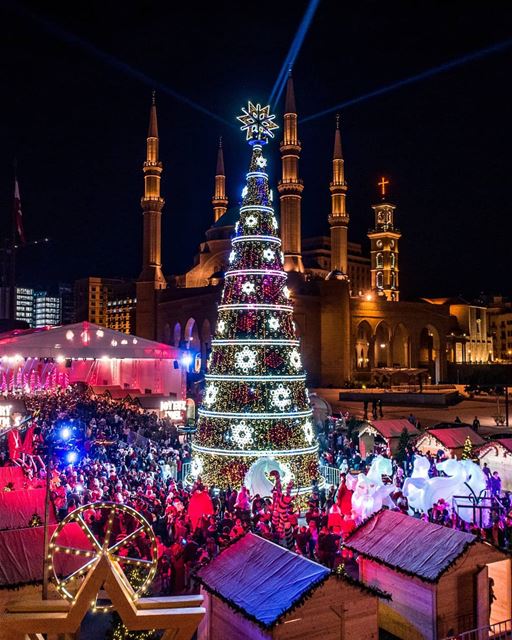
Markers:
point(349, 316)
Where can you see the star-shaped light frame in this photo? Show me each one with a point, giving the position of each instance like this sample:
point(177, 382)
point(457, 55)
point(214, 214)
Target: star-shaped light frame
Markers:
point(257, 122)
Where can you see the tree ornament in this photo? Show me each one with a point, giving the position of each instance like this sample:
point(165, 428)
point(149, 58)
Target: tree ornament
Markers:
point(308, 432)
point(246, 359)
point(242, 434)
point(295, 359)
point(273, 323)
point(281, 397)
point(210, 394)
point(248, 287)
point(221, 326)
point(273, 360)
point(251, 221)
point(232, 256)
point(268, 255)
point(261, 162)
point(286, 292)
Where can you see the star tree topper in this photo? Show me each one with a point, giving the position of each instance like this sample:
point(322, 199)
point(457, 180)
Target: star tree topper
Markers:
point(258, 123)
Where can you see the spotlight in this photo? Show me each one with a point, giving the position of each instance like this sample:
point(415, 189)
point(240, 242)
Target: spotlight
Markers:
point(72, 457)
point(186, 359)
point(65, 433)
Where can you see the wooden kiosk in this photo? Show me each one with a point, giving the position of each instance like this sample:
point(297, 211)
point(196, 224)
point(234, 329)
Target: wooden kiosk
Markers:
point(451, 441)
point(256, 589)
point(385, 432)
point(439, 578)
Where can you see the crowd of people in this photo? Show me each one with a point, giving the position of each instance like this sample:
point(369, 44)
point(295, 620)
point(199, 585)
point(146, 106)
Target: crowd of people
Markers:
point(132, 457)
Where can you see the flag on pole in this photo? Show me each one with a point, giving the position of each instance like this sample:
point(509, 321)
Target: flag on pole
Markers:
point(18, 215)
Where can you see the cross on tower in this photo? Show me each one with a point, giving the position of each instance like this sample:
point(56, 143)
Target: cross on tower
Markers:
point(382, 184)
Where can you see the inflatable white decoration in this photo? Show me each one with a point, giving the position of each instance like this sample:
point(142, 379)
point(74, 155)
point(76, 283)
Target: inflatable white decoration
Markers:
point(257, 481)
point(370, 493)
point(463, 486)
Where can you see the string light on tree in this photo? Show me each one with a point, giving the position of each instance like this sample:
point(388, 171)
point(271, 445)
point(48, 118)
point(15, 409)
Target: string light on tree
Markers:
point(261, 406)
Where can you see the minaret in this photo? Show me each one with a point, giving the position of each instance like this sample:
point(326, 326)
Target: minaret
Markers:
point(151, 277)
point(339, 217)
point(290, 186)
point(219, 200)
point(384, 247)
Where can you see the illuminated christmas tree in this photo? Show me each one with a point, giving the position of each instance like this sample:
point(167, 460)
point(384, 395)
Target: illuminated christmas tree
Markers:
point(255, 412)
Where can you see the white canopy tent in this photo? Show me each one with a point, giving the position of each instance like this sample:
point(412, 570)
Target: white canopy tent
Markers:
point(85, 352)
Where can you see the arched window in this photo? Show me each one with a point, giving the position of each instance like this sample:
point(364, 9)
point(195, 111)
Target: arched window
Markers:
point(393, 260)
point(177, 334)
point(380, 280)
point(379, 260)
point(393, 279)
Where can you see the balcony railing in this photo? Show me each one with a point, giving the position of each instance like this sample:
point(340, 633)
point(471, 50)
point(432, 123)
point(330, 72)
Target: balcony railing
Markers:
point(330, 474)
point(497, 631)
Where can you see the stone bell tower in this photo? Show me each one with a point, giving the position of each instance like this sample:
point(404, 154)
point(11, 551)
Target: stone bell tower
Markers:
point(384, 248)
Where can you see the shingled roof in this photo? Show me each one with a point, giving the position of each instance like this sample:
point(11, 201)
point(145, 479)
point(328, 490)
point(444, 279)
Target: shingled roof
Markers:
point(409, 545)
point(261, 579)
point(454, 438)
point(393, 428)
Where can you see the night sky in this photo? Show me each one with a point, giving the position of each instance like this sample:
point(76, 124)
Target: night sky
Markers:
point(76, 88)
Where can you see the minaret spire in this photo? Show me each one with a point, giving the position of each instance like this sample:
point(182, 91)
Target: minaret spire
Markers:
point(219, 200)
point(151, 277)
point(290, 186)
point(339, 217)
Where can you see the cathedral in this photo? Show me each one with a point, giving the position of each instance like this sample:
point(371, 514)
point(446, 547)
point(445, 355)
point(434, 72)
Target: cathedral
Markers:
point(348, 313)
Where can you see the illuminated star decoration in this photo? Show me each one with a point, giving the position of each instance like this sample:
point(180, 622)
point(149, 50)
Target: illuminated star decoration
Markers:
point(232, 257)
point(281, 397)
point(308, 432)
point(295, 360)
point(273, 323)
point(221, 325)
point(248, 287)
point(258, 122)
point(251, 221)
point(246, 359)
point(261, 162)
point(210, 395)
point(268, 255)
point(242, 434)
